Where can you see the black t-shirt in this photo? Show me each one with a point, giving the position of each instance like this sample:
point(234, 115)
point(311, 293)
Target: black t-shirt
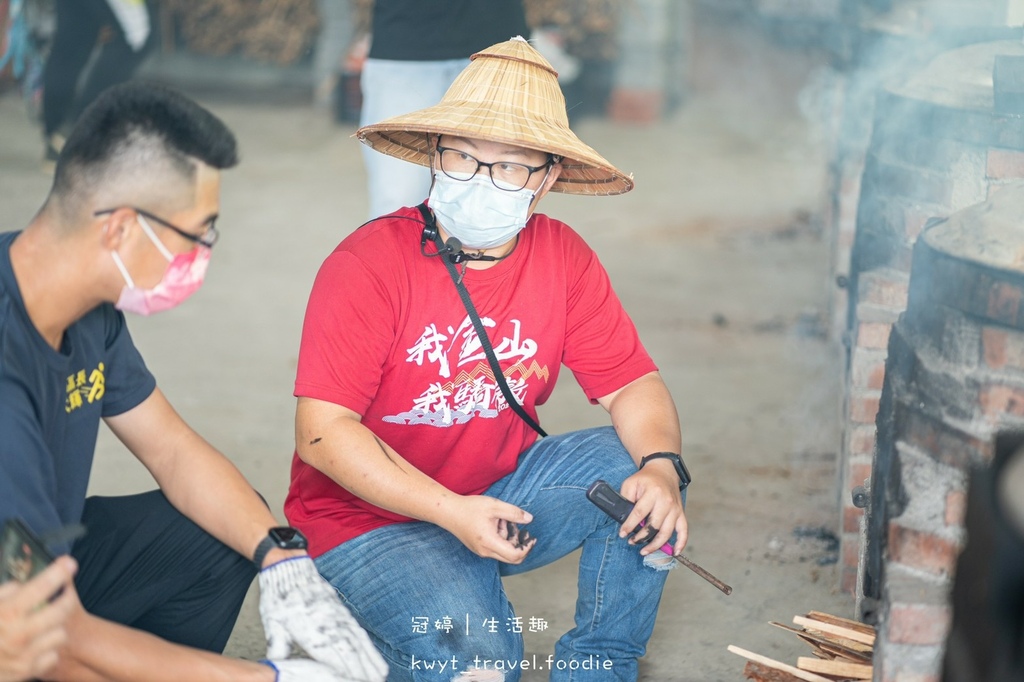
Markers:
point(51, 403)
point(421, 30)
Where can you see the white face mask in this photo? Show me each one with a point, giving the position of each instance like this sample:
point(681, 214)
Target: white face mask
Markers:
point(477, 213)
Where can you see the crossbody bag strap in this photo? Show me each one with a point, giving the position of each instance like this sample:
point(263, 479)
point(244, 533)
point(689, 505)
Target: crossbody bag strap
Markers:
point(499, 376)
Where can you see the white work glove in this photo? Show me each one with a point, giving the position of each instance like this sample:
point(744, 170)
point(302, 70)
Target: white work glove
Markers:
point(303, 670)
point(298, 606)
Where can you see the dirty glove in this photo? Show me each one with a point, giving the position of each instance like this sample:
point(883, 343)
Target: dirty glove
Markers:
point(303, 670)
point(298, 606)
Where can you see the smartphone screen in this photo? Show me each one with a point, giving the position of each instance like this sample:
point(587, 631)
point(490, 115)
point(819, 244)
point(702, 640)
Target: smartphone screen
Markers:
point(22, 555)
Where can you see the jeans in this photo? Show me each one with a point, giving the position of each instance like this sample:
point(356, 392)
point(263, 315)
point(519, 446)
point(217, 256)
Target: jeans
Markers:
point(395, 577)
point(390, 88)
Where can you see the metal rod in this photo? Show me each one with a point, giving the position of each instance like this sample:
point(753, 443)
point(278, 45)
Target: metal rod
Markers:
point(702, 573)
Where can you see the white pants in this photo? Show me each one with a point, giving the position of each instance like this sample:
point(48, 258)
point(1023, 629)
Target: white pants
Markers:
point(392, 87)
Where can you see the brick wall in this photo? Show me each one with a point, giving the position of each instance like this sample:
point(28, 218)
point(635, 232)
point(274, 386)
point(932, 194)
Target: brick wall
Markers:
point(936, 146)
point(954, 378)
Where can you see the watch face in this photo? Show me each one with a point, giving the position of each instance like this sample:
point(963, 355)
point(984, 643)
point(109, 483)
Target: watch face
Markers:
point(684, 474)
point(288, 538)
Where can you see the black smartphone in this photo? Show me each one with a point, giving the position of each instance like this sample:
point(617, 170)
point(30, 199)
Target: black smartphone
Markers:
point(22, 554)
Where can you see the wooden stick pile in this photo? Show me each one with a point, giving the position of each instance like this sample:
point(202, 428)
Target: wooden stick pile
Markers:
point(842, 651)
point(276, 31)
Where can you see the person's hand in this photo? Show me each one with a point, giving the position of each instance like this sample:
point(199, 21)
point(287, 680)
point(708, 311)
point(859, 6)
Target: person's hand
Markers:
point(490, 528)
point(31, 626)
point(304, 670)
point(654, 490)
point(298, 606)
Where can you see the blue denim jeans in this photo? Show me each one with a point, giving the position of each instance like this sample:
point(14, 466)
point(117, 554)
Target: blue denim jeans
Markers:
point(401, 580)
point(390, 88)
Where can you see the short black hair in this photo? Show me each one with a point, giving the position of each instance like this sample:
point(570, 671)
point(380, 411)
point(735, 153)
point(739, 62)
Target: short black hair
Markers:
point(142, 111)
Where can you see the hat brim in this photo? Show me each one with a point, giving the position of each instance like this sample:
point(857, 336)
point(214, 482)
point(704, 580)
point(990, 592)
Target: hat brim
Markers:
point(584, 171)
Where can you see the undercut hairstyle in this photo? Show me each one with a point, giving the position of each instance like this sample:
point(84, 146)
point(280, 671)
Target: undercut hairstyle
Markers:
point(134, 131)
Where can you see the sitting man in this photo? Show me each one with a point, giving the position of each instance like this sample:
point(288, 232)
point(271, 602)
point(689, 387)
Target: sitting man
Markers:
point(417, 461)
point(129, 226)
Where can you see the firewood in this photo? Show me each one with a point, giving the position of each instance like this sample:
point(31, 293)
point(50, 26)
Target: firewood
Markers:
point(835, 668)
point(848, 646)
point(835, 630)
point(762, 673)
point(778, 665)
point(842, 622)
point(846, 654)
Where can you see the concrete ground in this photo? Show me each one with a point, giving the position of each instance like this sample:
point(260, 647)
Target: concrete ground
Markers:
point(719, 257)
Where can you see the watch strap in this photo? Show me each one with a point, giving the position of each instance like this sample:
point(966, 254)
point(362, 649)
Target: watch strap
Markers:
point(266, 544)
point(677, 461)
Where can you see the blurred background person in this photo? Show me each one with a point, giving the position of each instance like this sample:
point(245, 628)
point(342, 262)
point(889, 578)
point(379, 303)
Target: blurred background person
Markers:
point(119, 29)
point(417, 49)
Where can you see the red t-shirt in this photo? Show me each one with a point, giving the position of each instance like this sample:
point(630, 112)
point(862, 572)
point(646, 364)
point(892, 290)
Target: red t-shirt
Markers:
point(386, 335)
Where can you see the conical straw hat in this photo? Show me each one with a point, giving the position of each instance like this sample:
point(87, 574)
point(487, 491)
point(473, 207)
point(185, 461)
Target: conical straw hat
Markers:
point(509, 93)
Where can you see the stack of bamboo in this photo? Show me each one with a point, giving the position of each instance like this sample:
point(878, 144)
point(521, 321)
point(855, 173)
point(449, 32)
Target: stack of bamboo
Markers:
point(842, 651)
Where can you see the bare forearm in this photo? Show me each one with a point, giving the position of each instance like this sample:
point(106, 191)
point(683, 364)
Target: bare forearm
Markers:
point(350, 454)
point(209, 489)
point(100, 651)
point(197, 479)
point(645, 418)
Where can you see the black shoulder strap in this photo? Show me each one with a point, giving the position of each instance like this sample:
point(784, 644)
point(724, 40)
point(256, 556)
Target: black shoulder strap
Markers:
point(430, 231)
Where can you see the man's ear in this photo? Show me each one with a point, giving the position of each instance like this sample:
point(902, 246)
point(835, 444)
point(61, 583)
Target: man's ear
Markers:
point(556, 171)
point(115, 227)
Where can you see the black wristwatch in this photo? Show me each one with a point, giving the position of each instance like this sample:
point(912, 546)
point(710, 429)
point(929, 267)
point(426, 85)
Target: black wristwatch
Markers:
point(281, 537)
point(677, 461)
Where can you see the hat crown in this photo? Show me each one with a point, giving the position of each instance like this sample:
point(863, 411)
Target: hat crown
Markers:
point(512, 75)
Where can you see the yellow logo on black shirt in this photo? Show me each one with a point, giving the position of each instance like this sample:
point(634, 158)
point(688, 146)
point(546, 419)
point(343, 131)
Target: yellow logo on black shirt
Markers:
point(80, 389)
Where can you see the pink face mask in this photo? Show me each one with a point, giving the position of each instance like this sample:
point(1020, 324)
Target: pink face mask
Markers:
point(183, 277)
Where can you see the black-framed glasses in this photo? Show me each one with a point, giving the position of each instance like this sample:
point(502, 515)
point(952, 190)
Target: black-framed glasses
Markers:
point(207, 238)
point(506, 175)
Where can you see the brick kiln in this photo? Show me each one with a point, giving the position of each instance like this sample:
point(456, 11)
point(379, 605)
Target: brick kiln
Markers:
point(954, 378)
point(938, 144)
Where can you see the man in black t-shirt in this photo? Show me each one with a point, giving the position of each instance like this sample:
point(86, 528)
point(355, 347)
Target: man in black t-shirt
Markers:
point(129, 225)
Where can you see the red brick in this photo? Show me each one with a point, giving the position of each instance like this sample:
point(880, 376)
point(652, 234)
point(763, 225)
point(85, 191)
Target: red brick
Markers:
point(857, 473)
point(886, 288)
point(628, 105)
point(921, 550)
point(873, 335)
point(851, 518)
point(919, 623)
point(1004, 303)
point(850, 557)
point(1003, 164)
point(848, 580)
point(867, 369)
point(1001, 348)
point(864, 406)
point(956, 508)
point(947, 443)
point(860, 440)
point(996, 400)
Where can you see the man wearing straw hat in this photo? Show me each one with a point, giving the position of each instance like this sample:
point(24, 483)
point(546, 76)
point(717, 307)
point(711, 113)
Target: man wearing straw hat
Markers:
point(430, 337)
